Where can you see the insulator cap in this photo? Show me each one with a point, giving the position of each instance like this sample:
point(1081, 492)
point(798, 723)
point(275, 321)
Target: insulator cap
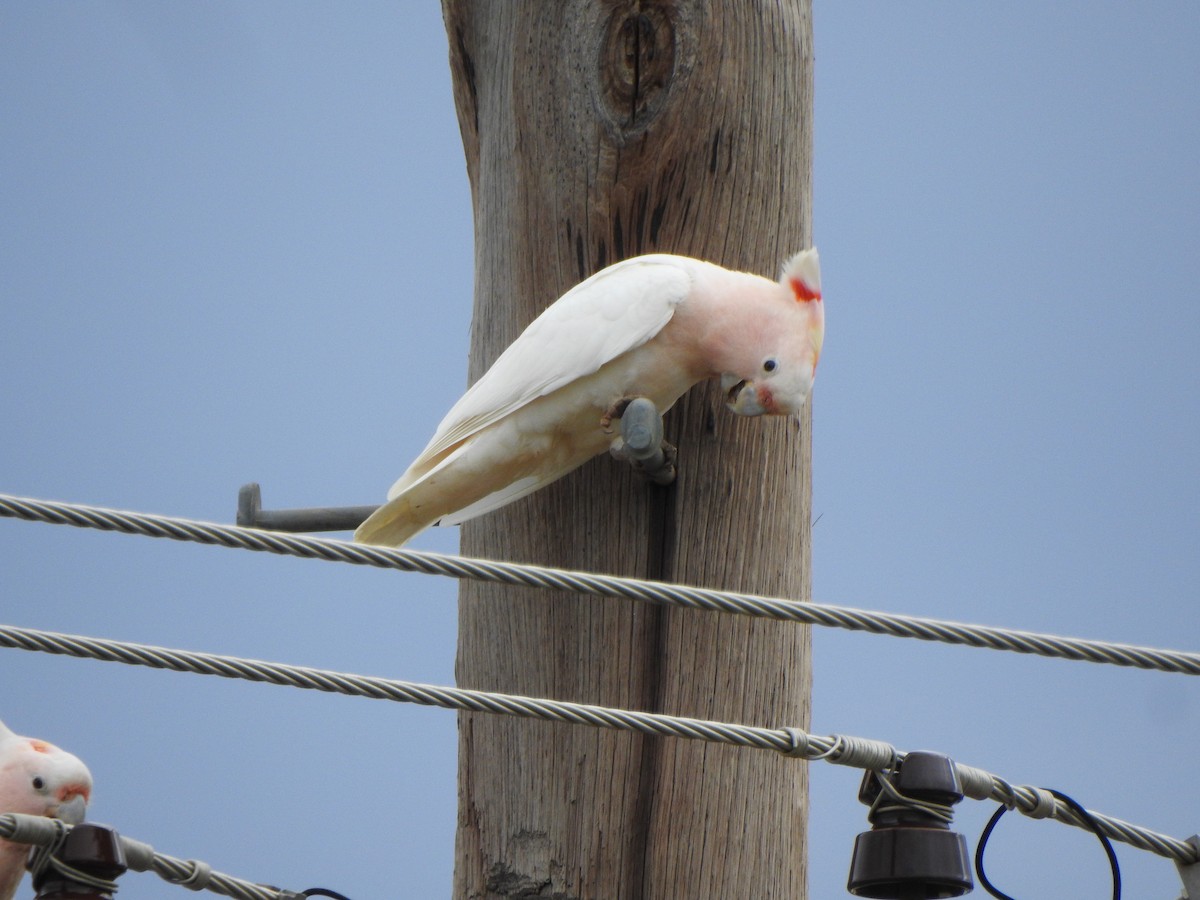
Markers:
point(910, 864)
point(910, 853)
point(92, 849)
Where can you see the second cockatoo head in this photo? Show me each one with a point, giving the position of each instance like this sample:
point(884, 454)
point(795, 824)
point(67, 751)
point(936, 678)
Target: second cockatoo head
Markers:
point(40, 779)
point(777, 381)
point(36, 779)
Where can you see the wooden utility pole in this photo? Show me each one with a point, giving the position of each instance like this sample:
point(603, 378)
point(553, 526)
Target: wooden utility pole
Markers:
point(596, 130)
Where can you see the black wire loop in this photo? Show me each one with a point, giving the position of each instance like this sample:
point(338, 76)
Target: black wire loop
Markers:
point(1084, 816)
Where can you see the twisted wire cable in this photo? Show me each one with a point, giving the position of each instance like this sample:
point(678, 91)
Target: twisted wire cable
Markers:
point(141, 857)
point(655, 592)
point(839, 749)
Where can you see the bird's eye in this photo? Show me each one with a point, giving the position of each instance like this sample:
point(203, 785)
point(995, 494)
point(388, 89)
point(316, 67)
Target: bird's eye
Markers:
point(38, 783)
point(770, 365)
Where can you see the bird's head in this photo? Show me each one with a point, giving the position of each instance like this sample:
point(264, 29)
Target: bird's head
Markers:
point(40, 779)
point(778, 382)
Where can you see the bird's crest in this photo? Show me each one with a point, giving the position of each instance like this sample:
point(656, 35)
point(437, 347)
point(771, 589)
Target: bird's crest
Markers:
point(802, 273)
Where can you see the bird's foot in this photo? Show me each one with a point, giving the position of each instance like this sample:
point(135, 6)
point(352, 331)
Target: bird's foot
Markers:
point(659, 468)
point(641, 442)
point(616, 411)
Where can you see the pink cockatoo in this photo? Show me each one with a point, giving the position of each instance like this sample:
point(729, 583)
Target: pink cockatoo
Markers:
point(38, 779)
point(652, 327)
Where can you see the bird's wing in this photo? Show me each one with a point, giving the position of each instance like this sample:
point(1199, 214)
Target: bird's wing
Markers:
point(614, 311)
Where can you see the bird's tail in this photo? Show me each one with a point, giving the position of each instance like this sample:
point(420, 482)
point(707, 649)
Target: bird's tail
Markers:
point(392, 525)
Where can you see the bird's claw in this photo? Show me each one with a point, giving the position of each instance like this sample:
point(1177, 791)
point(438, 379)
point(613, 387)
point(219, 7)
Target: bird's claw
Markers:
point(614, 412)
point(660, 468)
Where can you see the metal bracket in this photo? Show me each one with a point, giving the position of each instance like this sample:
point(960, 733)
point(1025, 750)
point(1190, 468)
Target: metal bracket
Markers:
point(250, 514)
point(641, 442)
point(1190, 874)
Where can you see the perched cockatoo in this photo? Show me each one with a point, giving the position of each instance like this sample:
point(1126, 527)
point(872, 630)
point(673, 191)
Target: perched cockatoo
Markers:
point(38, 779)
point(651, 327)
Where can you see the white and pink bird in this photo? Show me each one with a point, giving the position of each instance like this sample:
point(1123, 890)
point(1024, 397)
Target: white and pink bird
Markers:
point(650, 327)
point(38, 779)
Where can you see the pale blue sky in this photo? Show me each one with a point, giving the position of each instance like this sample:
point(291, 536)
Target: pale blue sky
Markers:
point(235, 244)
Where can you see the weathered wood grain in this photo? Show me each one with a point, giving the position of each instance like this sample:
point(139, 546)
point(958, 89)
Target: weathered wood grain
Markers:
point(596, 130)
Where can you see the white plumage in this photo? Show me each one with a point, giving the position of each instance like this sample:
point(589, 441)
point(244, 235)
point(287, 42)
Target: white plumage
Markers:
point(650, 327)
point(38, 779)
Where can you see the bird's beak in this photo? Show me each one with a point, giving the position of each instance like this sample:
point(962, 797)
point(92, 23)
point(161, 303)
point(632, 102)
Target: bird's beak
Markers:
point(73, 805)
point(741, 396)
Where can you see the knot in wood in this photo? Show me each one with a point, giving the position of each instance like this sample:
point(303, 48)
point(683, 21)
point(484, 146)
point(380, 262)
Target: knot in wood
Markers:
point(636, 62)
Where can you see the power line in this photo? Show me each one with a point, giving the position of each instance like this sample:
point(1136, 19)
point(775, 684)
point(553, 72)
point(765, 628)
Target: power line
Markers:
point(141, 857)
point(660, 593)
point(839, 749)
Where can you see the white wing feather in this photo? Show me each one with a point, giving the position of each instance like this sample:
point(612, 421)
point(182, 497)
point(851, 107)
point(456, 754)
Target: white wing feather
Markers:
point(614, 311)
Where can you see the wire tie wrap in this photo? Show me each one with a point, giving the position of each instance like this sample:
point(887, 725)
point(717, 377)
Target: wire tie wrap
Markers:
point(200, 877)
point(1045, 805)
point(798, 743)
point(976, 783)
point(863, 753)
point(41, 857)
point(890, 798)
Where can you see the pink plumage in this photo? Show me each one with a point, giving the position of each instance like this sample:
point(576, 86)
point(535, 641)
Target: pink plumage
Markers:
point(650, 327)
point(38, 779)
